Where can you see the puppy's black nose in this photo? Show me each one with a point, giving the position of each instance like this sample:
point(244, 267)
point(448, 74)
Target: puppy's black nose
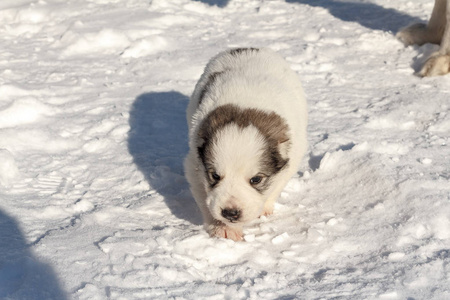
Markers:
point(231, 214)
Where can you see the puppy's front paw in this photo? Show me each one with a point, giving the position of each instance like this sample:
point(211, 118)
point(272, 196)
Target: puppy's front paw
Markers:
point(218, 229)
point(436, 65)
point(268, 209)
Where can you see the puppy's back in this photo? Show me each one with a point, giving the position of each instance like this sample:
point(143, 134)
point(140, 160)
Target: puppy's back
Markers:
point(249, 78)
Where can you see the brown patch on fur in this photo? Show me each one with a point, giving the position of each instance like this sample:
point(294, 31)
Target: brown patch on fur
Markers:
point(270, 125)
point(239, 51)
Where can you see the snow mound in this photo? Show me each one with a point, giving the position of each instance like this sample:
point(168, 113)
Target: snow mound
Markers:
point(146, 47)
point(23, 111)
point(106, 41)
point(9, 171)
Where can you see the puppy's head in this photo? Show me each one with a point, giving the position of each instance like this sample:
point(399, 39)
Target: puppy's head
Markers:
point(242, 151)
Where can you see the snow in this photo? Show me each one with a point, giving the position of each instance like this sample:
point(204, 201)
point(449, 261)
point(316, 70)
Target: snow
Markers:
point(93, 201)
point(8, 168)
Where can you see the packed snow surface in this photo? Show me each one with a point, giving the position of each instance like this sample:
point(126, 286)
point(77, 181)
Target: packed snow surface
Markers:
point(93, 201)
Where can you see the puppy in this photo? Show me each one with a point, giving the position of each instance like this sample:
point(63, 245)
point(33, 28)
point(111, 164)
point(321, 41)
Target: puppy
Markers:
point(437, 31)
point(247, 121)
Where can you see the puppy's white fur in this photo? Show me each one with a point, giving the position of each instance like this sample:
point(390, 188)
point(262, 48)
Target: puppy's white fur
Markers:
point(437, 31)
point(247, 121)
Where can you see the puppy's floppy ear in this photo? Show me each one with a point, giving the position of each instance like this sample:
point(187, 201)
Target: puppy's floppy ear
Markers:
point(200, 140)
point(204, 140)
point(201, 144)
point(283, 147)
point(278, 132)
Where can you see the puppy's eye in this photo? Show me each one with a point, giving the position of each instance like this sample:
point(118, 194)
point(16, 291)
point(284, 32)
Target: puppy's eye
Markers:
point(255, 180)
point(215, 176)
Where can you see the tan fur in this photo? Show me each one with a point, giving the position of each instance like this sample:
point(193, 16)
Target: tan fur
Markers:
point(270, 124)
point(437, 31)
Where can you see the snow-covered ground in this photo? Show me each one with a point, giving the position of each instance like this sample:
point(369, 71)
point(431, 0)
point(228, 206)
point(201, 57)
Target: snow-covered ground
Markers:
point(93, 201)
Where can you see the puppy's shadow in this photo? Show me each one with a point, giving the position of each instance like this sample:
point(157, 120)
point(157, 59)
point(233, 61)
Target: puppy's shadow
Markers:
point(158, 142)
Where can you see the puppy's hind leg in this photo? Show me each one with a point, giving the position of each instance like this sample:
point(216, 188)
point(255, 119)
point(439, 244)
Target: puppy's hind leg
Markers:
point(439, 62)
point(419, 34)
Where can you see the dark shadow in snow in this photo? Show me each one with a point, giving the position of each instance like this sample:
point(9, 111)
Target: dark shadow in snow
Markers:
point(367, 14)
point(158, 142)
point(346, 147)
point(287, 297)
point(320, 275)
point(219, 3)
point(315, 160)
point(22, 276)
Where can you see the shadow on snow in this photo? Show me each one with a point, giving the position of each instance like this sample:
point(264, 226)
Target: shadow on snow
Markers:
point(22, 276)
point(367, 14)
point(219, 3)
point(158, 142)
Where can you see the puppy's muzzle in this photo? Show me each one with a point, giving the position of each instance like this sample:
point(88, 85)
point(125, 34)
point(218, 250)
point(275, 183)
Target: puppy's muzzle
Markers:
point(231, 215)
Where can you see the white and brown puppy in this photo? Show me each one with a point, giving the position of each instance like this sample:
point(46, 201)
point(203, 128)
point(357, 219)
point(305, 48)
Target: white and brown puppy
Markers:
point(247, 124)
